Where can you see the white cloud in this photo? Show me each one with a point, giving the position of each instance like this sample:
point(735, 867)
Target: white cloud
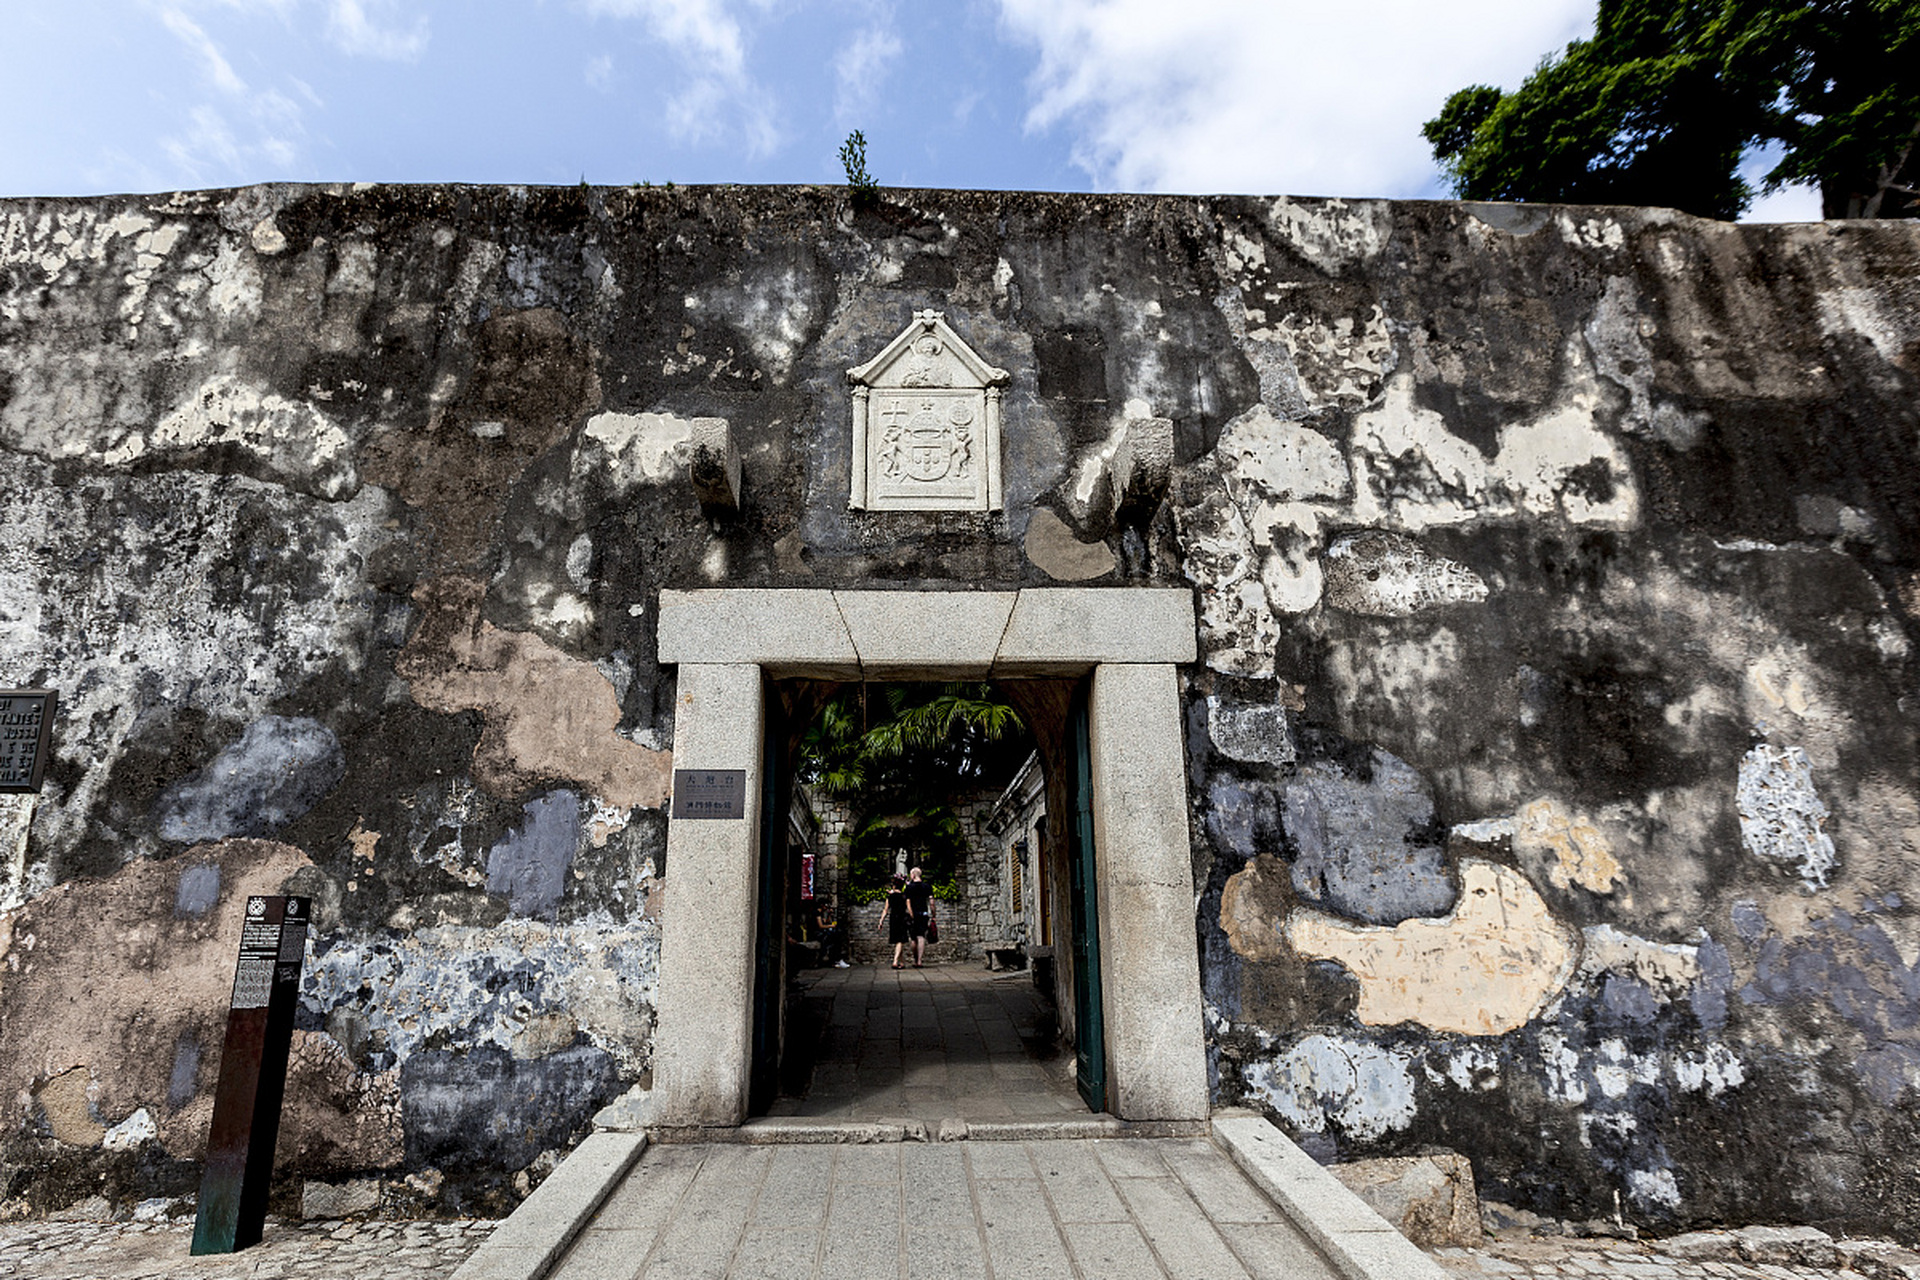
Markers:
point(1280, 96)
point(195, 37)
point(718, 101)
point(243, 133)
point(697, 29)
point(599, 72)
point(859, 71)
point(353, 31)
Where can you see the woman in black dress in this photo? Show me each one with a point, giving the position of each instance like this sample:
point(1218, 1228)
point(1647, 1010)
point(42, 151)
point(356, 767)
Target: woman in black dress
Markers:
point(893, 914)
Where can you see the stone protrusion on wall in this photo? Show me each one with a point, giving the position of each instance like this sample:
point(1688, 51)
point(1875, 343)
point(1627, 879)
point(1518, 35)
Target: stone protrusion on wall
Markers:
point(1142, 466)
point(713, 464)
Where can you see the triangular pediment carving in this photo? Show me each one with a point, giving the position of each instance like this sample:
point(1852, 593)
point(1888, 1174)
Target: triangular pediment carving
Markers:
point(926, 424)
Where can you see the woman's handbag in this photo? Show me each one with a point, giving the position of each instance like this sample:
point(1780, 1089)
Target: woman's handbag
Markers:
point(933, 926)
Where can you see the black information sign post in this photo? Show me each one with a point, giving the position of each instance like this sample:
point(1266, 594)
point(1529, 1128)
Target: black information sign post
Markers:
point(253, 1075)
point(26, 730)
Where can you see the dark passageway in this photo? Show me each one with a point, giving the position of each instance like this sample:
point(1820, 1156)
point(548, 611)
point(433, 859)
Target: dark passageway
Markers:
point(951, 1041)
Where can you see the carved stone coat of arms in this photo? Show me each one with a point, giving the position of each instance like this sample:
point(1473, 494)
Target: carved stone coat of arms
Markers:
point(926, 424)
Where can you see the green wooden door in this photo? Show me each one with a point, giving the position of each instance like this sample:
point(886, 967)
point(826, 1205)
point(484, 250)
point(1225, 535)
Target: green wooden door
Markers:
point(1089, 1030)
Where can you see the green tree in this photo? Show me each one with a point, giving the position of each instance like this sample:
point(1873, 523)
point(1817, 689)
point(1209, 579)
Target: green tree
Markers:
point(1662, 103)
point(901, 752)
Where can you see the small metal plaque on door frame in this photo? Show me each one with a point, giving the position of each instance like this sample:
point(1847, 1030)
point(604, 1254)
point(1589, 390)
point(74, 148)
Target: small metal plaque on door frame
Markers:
point(709, 793)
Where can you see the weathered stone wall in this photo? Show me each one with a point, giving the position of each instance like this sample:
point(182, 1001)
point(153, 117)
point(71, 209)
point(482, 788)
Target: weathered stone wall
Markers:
point(1552, 754)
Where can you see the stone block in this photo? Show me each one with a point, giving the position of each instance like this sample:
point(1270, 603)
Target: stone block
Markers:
point(1358, 1241)
point(1142, 466)
point(791, 633)
point(1701, 1246)
point(349, 1199)
point(535, 1235)
point(701, 1042)
point(1879, 1259)
point(925, 635)
point(1428, 1199)
point(1065, 630)
point(1149, 961)
point(1056, 552)
point(713, 464)
point(1787, 1246)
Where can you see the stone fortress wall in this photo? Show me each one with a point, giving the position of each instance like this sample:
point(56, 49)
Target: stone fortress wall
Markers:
point(1552, 758)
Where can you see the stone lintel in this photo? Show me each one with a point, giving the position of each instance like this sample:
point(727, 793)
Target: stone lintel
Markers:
point(928, 635)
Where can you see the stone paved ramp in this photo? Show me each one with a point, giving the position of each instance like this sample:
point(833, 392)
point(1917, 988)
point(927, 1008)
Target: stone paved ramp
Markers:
point(1099, 1210)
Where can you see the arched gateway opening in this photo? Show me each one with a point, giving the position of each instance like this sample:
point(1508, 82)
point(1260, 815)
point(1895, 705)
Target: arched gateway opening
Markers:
point(1099, 669)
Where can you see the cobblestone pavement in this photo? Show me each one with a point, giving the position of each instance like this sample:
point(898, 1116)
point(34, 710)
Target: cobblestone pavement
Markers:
point(419, 1250)
point(288, 1251)
point(1568, 1258)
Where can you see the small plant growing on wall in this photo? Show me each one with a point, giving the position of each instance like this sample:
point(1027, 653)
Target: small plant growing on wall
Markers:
point(853, 158)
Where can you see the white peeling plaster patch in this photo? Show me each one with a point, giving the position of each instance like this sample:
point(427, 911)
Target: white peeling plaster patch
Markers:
point(634, 449)
point(1668, 968)
point(1562, 1066)
point(1653, 1187)
point(1361, 1089)
point(1485, 969)
point(1538, 460)
point(1617, 1068)
point(605, 820)
point(287, 438)
point(1485, 830)
point(1332, 234)
point(52, 242)
point(16, 820)
point(1544, 466)
point(1471, 1070)
point(267, 238)
point(1263, 457)
point(449, 980)
point(1384, 575)
point(234, 283)
point(1782, 818)
point(1590, 233)
point(1337, 364)
point(1237, 627)
point(1713, 1072)
point(579, 561)
point(1273, 472)
point(131, 1132)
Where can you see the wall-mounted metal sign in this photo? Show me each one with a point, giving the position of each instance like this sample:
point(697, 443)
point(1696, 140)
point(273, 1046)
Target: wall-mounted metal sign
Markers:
point(253, 1075)
point(709, 793)
point(26, 734)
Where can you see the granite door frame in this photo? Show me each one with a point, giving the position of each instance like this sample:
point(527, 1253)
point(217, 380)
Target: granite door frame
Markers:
point(728, 643)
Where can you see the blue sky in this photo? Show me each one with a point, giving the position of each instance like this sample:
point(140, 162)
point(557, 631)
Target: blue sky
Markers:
point(1281, 97)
